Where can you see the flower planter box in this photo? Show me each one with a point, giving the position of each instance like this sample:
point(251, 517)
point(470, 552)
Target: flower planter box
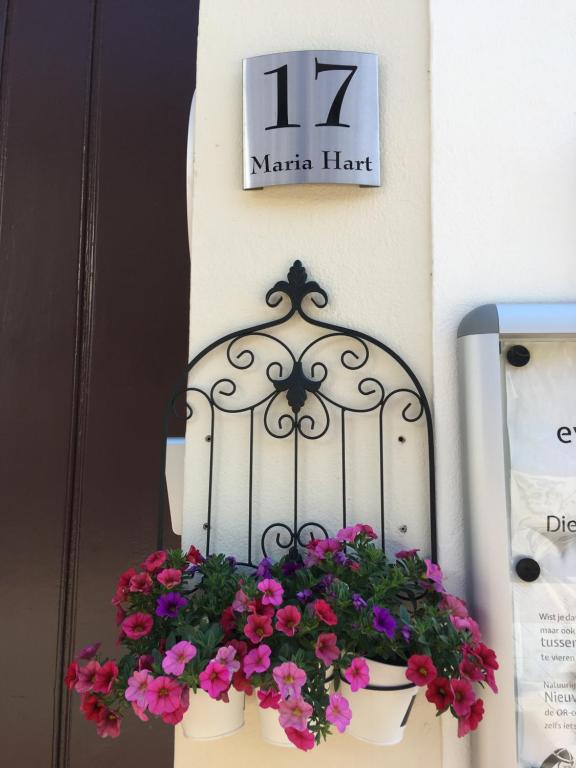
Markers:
point(380, 717)
point(271, 730)
point(208, 719)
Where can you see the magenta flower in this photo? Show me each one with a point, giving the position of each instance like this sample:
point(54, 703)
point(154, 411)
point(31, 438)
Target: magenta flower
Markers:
point(440, 693)
point(357, 674)
point(272, 591)
point(170, 604)
point(139, 712)
point(155, 561)
point(169, 577)
point(71, 677)
point(240, 602)
point(137, 687)
point(421, 669)
point(215, 679)
point(304, 740)
point(404, 554)
point(347, 534)
point(227, 656)
point(87, 677)
point(326, 649)
point(464, 697)
point(258, 627)
point(471, 721)
point(289, 678)
point(108, 725)
point(258, 660)
point(141, 583)
point(269, 699)
point(434, 573)
point(338, 712)
point(325, 613)
point(467, 625)
point(177, 657)
point(137, 625)
point(294, 713)
point(88, 652)
point(287, 619)
point(454, 605)
point(105, 677)
point(163, 695)
point(383, 621)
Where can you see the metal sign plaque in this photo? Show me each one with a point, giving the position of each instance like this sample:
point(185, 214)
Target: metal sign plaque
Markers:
point(311, 117)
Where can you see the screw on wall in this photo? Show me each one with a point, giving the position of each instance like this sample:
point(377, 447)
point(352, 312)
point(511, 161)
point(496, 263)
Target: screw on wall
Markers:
point(401, 439)
point(518, 356)
point(208, 439)
point(403, 528)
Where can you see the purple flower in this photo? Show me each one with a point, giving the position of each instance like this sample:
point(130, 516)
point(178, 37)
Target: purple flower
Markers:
point(383, 621)
point(290, 567)
point(231, 561)
point(192, 570)
point(406, 632)
point(325, 582)
point(263, 571)
point(89, 652)
point(358, 602)
point(305, 595)
point(340, 558)
point(169, 605)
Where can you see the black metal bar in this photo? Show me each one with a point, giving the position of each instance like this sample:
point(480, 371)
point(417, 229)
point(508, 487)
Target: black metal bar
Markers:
point(210, 480)
point(381, 453)
point(343, 441)
point(295, 521)
point(250, 487)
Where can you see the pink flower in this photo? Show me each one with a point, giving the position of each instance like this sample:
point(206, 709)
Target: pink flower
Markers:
point(349, 534)
point(289, 678)
point(338, 712)
point(326, 649)
point(287, 619)
point(240, 602)
point(87, 677)
point(137, 687)
point(89, 652)
point(92, 707)
point(194, 556)
point(325, 613)
point(172, 718)
point(294, 713)
point(227, 656)
point(169, 577)
point(421, 669)
point(440, 693)
point(404, 554)
point(155, 561)
point(105, 677)
point(137, 625)
point(464, 697)
point(71, 677)
point(163, 695)
point(434, 573)
point(489, 662)
point(272, 591)
point(140, 713)
point(177, 657)
point(108, 725)
point(141, 583)
point(357, 674)
point(269, 699)
point(304, 740)
point(454, 605)
point(258, 627)
point(471, 721)
point(467, 625)
point(215, 679)
point(258, 660)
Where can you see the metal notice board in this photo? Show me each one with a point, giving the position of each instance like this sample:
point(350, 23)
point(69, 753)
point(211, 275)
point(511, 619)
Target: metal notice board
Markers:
point(518, 402)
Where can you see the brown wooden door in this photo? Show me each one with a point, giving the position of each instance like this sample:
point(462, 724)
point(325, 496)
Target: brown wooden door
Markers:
point(94, 271)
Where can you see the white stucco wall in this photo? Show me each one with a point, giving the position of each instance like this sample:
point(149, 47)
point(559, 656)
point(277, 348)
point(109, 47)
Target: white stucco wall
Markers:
point(503, 196)
point(370, 248)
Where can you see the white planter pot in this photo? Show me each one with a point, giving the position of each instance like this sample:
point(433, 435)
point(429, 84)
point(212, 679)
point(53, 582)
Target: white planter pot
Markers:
point(379, 717)
point(271, 730)
point(208, 719)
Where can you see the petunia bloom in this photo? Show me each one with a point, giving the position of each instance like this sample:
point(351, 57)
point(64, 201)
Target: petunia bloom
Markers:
point(272, 591)
point(105, 677)
point(142, 582)
point(240, 602)
point(177, 657)
point(269, 699)
point(467, 625)
point(383, 621)
point(289, 678)
point(357, 674)
point(169, 577)
point(92, 707)
point(108, 725)
point(170, 604)
point(137, 687)
point(137, 625)
point(88, 652)
point(464, 697)
point(194, 556)
point(421, 669)
point(404, 554)
point(304, 740)
point(87, 677)
point(294, 713)
point(258, 627)
point(71, 677)
point(227, 655)
point(358, 602)
point(163, 695)
point(287, 620)
point(326, 649)
point(215, 679)
point(139, 712)
point(258, 660)
point(440, 693)
point(263, 571)
point(338, 712)
point(325, 613)
point(454, 605)
point(155, 561)
point(434, 574)
point(471, 721)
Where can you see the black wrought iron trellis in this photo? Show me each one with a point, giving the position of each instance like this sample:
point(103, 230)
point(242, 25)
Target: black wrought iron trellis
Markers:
point(294, 385)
